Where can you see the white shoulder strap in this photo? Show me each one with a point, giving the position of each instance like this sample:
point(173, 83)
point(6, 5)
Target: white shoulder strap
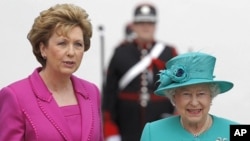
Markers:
point(141, 65)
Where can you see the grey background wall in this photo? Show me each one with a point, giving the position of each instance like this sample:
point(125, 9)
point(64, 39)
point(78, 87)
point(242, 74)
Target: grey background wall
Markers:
point(219, 27)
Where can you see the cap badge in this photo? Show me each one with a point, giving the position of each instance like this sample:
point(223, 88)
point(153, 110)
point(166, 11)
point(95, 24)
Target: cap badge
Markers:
point(145, 9)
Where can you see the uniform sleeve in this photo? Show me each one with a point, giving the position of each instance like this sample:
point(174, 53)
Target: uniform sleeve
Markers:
point(174, 51)
point(11, 117)
point(110, 97)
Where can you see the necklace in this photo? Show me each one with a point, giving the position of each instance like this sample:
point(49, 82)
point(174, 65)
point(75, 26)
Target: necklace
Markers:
point(205, 126)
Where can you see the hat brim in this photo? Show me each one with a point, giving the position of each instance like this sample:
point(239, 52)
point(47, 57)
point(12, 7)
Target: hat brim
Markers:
point(148, 18)
point(223, 85)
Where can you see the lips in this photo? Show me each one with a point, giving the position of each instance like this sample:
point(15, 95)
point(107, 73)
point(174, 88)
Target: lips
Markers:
point(69, 62)
point(194, 111)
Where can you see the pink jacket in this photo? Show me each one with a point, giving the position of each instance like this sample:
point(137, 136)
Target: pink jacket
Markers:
point(28, 112)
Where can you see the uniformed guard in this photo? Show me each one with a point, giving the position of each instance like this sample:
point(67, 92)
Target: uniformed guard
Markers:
point(128, 99)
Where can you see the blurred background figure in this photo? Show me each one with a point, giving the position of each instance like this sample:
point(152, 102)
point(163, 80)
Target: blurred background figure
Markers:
point(130, 35)
point(128, 99)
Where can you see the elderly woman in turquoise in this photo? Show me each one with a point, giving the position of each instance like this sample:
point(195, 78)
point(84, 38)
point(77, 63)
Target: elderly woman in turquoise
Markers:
point(189, 83)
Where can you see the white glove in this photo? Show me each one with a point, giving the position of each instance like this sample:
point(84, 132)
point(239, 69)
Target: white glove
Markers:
point(114, 138)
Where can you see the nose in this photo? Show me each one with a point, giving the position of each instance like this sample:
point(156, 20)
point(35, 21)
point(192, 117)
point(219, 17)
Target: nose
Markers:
point(194, 100)
point(71, 50)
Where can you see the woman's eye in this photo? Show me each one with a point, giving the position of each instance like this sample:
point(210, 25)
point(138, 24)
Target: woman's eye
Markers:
point(186, 94)
point(61, 43)
point(202, 93)
point(79, 44)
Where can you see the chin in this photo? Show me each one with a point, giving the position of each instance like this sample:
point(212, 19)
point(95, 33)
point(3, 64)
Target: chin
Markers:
point(195, 119)
point(68, 71)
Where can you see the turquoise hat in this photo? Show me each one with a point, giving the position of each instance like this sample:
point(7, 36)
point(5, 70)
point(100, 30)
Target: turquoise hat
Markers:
point(189, 69)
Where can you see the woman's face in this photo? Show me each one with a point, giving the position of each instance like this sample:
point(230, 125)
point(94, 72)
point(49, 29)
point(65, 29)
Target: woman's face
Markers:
point(64, 54)
point(193, 102)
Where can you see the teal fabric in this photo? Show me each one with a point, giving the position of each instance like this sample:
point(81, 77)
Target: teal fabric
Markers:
point(170, 129)
point(189, 69)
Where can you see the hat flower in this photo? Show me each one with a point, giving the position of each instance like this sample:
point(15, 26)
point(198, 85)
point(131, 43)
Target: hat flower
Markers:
point(177, 74)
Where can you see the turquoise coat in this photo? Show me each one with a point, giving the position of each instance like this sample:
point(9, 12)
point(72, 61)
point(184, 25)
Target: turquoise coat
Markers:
point(170, 129)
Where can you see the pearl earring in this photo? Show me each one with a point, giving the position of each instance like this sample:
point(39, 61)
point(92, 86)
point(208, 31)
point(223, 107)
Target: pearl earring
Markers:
point(44, 57)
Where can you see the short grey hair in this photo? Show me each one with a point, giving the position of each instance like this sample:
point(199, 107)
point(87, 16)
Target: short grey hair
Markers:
point(215, 90)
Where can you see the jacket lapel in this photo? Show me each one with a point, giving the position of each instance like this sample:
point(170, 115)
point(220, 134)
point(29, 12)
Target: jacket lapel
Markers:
point(49, 106)
point(86, 107)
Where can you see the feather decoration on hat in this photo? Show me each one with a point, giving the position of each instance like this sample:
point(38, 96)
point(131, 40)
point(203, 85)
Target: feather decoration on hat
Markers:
point(183, 68)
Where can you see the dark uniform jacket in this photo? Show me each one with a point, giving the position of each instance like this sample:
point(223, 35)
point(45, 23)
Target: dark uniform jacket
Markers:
point(124, 113)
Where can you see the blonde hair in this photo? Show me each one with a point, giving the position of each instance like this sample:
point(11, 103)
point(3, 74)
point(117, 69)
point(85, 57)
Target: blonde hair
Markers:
point(60, 18)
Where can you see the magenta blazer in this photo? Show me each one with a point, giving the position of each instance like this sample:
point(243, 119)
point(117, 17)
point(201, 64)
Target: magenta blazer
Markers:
point(28, 112)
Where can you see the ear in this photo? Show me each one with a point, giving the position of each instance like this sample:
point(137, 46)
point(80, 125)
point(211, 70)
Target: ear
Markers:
point(42, 49)
point(173, 100)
